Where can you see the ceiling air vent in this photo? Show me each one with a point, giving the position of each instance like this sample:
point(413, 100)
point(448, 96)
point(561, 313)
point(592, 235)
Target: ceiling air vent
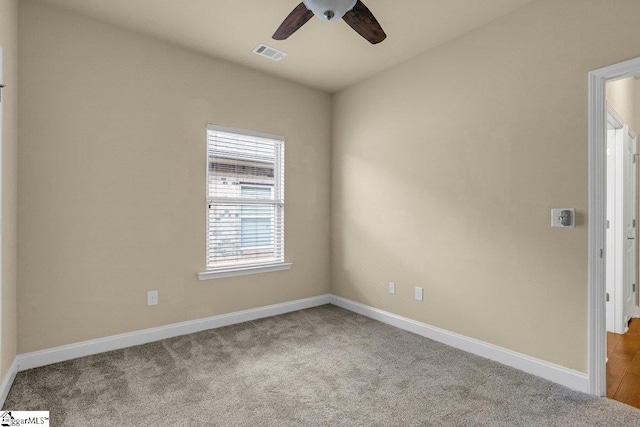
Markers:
point(269, 52)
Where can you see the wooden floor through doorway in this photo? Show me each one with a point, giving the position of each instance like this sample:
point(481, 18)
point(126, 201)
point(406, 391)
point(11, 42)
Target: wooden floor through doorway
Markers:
point(623, 365)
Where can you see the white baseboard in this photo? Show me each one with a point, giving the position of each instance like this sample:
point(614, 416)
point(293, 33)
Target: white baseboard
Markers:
point(7, 381)
point(558, 374)
point(86, 348)
point(549, 371)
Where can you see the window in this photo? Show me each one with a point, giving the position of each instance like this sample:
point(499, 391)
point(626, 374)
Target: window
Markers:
point(245, 202)
point(256, 222)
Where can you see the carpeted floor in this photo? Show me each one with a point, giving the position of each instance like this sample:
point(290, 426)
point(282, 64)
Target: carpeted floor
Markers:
point(323, 366)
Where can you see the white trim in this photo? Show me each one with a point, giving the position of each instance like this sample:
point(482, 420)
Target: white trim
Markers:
point(614, 147)
point(7, 381)
point(1, 216)
point(597, 219)
point(558, 374)
point(242, 271)
point(549, 371)
point(115, 342)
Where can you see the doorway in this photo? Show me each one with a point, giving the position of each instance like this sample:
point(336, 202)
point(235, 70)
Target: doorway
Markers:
point(621, 224)
point(1, 240)
point(598, 132)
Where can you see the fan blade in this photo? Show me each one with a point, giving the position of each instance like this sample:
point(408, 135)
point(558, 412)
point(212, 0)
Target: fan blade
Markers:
point(362, 20)
point(293, 22)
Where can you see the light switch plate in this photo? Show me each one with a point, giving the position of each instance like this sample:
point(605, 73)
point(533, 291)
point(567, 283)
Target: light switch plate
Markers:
point(419, 294)
point(555, 217)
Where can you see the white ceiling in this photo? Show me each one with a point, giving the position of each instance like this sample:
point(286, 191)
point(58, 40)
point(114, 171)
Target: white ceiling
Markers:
point(325, 55)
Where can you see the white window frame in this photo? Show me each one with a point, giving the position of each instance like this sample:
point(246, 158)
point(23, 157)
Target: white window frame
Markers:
point(243, 269)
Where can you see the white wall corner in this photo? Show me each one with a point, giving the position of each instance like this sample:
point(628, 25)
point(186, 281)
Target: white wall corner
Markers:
point(558, 374)
point(7, 381)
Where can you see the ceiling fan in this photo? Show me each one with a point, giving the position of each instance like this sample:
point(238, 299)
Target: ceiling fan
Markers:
point(353, 12)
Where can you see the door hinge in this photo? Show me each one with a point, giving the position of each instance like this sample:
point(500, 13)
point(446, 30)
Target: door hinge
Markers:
point(633, 287)
point(601, 253)
point(633, 223)
point(608, 224)
point(607, 297)
point(1, 87)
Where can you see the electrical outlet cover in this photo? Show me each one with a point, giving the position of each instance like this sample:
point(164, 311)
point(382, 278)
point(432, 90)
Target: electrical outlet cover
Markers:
point(152, 298)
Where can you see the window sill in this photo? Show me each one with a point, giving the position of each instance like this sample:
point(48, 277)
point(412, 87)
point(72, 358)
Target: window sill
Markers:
point(241, 271)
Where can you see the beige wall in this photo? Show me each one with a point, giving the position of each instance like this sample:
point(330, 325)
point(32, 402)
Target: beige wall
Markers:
point(112, 180)
point(621, 95)
point(444, 171)
point(445, 168)
point(9, 44)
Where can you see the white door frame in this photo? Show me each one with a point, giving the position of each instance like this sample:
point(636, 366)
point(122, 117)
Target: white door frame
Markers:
point(1, 239)
point(620, 251)
point(597, 218)
point(614, 263)
point(627, 292)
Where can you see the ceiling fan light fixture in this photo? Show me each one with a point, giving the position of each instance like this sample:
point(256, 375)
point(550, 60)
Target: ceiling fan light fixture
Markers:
point(353, 12)
point(330, 10)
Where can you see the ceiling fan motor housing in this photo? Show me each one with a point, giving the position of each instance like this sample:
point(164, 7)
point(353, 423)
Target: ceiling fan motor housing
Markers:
point(329, 10)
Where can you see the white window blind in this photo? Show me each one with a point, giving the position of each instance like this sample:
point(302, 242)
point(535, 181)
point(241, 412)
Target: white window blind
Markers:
point(245, 199)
